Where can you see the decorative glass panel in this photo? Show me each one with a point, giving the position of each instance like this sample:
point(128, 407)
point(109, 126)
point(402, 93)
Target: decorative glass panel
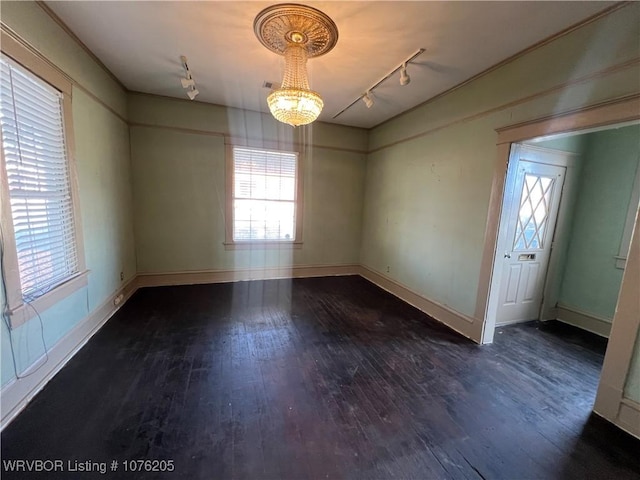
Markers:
point(533, 215)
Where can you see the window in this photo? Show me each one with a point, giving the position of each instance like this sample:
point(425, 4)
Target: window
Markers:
point(263, 196)
point(41, 254)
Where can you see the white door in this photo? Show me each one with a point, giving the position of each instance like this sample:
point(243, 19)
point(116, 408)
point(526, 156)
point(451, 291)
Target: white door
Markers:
point(526, 247)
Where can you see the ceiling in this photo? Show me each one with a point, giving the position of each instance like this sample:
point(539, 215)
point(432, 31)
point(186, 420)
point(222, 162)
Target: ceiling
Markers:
point(141, 43)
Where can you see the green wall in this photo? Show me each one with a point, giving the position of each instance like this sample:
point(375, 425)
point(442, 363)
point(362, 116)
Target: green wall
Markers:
point(573, 143)
point(179, 187)
point(104, 178)
point(591, 281)
point(430, 170)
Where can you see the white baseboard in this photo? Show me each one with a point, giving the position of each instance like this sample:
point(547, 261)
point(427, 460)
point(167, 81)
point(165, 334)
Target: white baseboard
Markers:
point(225, 276)
point(19, 392)
point(612, 405)
point(510, 322)
point(629, 417)
point(581, 319)
point(463, 324)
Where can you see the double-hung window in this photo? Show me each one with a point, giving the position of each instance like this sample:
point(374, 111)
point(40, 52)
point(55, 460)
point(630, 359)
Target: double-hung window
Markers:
point(264, 196)
point(40, 252)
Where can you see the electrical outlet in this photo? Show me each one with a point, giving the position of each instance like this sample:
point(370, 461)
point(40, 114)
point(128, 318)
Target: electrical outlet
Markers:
point(121, 276)
point(118, 300)
point(387, 268)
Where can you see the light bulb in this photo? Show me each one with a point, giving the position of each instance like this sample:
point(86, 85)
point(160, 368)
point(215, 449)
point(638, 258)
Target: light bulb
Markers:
point(187, 82)
point(404, 76)
point(192, 93)
point(368, 100)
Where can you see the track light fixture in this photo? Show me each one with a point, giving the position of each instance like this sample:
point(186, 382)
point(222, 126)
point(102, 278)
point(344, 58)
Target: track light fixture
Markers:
point(404, 76)
point(192, 93)
point(188, 82)
point(367, 98)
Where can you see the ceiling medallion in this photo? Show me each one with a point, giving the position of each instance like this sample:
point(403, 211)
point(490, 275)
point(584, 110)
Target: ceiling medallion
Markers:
point(296, 32)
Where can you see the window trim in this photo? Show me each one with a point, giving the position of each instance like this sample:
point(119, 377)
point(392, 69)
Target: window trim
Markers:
point(19, 311)
point(229, 242)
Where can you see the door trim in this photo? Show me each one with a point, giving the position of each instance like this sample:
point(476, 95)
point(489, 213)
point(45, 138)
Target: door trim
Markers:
point(610, 401)
point(626, 109)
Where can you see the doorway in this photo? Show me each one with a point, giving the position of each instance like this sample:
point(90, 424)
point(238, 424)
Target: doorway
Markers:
point(612, 400)
point(564, 232)
point(622, 113)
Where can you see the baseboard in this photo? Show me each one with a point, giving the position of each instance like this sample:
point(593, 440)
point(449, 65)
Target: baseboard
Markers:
point(463, 324)
point(612, 405)
point(19, 392)
point(510, 322)
point(581, 319)
point(225, 276)
point(629, 417)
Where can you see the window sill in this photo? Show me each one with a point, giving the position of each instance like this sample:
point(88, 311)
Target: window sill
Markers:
point(25, 312)
point(262, 245)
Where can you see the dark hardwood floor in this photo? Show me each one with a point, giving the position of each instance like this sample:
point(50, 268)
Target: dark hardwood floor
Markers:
point(321, 378)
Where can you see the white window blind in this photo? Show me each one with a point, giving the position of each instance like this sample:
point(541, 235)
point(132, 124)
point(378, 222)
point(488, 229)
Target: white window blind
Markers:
point(37, 172)
point(264, 194)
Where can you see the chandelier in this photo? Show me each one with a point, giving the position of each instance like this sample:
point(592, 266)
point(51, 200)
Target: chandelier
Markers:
point(296, 32)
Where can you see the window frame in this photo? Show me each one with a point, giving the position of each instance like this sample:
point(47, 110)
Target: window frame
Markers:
point(19, 311)
point(230, 243)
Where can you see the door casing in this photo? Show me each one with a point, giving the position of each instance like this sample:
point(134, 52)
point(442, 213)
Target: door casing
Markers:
point(610, 402)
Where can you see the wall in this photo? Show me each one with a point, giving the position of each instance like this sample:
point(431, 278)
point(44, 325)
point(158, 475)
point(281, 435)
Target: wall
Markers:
point(573, 143)
point(430, 170)
point(618, 397)
point(588, 278)
point(591, 281)
point(104, 178)
point(178, 156)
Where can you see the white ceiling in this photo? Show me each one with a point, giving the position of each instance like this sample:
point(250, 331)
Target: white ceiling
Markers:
point(141, 43)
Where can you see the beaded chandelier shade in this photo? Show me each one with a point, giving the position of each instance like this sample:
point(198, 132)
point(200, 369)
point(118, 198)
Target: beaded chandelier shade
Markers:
point(296, 32)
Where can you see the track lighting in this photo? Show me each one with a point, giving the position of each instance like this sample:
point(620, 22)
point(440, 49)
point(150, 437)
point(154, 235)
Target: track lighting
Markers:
point(404, 76)
point(188, 82)
point(368, 99)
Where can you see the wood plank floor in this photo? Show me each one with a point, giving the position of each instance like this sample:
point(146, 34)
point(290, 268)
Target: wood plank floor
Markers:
point(321, 378)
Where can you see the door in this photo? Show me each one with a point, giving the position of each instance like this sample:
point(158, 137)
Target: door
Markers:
point(526, 246)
